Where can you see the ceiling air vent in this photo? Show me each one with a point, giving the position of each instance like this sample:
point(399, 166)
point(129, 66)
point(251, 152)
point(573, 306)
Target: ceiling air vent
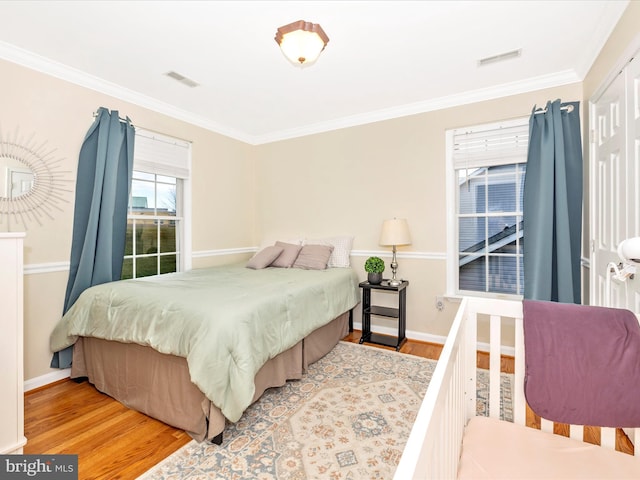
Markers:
point(182, 79)
point(500, 57)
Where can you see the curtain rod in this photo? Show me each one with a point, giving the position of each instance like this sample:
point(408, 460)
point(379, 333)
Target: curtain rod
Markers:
point(566, 108)
point(95, 114)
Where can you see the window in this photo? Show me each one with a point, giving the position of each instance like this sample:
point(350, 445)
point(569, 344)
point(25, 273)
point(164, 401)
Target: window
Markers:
point(486, 171)
point(157, 223)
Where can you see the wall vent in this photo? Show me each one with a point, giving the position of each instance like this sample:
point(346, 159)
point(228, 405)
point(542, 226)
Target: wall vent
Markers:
point(182, 79)
point(500, 57)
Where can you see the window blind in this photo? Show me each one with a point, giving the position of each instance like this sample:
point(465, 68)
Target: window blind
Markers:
point(162, 155)
point(491, 144)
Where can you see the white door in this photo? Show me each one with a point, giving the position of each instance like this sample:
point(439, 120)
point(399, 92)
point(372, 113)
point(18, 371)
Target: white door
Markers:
point(614, 184)
point(633, 172)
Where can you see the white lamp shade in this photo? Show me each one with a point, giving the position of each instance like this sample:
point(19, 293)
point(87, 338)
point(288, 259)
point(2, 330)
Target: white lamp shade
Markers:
point(395, 232)
point(629, 250)
point(302, 47)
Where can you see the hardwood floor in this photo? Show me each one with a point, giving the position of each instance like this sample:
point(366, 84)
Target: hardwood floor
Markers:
point(114, 442)
point(111, 441)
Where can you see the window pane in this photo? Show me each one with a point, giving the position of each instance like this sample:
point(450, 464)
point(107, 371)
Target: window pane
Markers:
point(472, 234)
point(521, 171)
point(473, 275)
point(502, 274)
point(166, 199)
point(146, 237)
point(127, 269)
point(146, 266)
point(167, 236)
point(142, 196)
point(501, 230)
point(167, 263)
point(128, 243)
point(472, 195)
point(502, 193)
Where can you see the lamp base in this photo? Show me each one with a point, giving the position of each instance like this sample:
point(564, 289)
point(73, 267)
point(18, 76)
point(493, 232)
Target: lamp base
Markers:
point(394, 282)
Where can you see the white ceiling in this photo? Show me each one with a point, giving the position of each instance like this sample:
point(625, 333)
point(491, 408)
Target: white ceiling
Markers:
point(384, 59)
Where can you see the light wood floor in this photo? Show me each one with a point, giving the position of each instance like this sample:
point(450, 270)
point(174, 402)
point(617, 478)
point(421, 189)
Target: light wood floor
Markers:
point(114, 442)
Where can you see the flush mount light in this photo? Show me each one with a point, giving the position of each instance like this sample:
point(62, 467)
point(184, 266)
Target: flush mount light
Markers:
point(301, 42)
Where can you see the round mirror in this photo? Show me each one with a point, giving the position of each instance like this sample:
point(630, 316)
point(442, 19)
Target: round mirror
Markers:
point(17, 178)
point(30, 183)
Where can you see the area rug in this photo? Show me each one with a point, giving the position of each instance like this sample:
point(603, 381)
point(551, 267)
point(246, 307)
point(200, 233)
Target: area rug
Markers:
point(348, 418)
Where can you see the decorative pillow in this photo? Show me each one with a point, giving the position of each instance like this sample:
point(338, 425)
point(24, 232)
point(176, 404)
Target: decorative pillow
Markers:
point(341, 249)
point(264, 257)
point(313, 257)
point(288, 256)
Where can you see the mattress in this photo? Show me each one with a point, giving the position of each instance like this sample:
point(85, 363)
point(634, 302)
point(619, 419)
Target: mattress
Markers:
point(495, 449)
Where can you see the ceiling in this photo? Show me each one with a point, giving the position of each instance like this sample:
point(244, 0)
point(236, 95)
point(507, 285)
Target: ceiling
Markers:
point(385, 59)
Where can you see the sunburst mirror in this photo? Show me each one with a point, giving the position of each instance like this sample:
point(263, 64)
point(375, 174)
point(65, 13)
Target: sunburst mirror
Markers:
point(32, 185)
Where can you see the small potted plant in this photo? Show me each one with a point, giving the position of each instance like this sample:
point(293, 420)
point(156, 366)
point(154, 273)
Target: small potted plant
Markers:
point(374, 266)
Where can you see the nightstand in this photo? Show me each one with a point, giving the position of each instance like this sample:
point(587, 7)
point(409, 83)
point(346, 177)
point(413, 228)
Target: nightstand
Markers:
point(399, 313)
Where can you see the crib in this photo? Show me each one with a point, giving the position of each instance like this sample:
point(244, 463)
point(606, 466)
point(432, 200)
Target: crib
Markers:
point(448, 441)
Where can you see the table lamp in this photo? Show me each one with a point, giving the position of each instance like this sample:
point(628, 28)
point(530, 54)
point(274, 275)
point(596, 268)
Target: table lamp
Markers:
point(395, 232)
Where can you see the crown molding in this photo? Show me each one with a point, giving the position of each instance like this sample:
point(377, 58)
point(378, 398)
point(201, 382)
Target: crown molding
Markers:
point(56, 69)
point(59, 70)
point(565, 77)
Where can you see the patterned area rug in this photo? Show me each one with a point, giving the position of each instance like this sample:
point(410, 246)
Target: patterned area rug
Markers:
point(348, 418)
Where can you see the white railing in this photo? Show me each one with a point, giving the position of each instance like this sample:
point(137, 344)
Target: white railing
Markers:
point(433, 448)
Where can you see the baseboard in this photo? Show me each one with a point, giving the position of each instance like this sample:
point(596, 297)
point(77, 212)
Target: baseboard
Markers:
point(428, 337)
point(46, 379)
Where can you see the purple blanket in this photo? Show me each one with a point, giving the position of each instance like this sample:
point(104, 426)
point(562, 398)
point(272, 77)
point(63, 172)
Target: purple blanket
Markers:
point(582, 364)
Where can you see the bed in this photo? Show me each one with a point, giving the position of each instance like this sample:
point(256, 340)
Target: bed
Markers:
point(449, 441)
point(195, 349)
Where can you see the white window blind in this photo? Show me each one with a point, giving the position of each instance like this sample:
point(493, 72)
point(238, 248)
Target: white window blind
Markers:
point(162, 155)
point(491, 144)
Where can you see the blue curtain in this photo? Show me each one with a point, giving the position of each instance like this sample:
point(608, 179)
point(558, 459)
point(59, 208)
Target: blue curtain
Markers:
point(105, 167)
point(553, 204)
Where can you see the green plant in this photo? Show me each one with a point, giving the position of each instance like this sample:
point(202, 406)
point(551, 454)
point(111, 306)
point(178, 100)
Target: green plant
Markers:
point(374, 265)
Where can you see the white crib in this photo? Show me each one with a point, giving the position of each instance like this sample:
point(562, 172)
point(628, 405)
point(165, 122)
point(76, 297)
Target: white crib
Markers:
point(435, 446)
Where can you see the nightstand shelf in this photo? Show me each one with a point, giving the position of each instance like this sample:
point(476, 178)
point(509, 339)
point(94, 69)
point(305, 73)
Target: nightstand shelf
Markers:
point(398, 313)
point(384, 311)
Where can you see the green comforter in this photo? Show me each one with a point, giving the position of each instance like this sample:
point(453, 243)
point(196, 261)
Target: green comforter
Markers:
point(226, 321)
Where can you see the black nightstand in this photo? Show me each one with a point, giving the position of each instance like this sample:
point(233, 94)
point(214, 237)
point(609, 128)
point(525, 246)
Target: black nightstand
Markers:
point(399, 313)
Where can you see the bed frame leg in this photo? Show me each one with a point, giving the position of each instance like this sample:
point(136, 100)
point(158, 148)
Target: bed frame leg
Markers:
point(351, 320)
point(217, 439)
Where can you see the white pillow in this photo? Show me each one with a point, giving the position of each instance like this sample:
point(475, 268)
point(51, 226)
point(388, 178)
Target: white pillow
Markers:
point(341, 249)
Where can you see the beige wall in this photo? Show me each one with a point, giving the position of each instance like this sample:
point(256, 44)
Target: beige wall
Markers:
point(60, 113)
point(350, 180)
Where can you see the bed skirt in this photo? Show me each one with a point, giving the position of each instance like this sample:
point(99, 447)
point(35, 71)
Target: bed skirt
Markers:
point(159, 385)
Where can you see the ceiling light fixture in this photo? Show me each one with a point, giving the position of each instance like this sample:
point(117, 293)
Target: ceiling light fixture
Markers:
point(301, 42)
